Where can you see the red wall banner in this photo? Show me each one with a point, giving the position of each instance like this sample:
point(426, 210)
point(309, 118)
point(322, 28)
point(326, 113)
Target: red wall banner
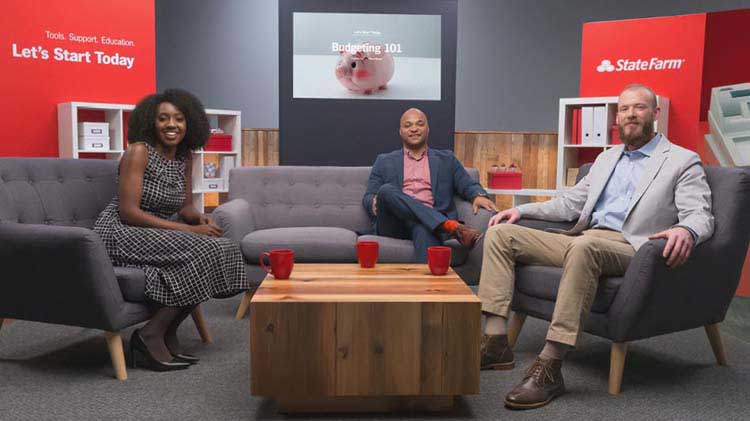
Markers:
point(62, 51)
point(680, 57)
point(664, 53)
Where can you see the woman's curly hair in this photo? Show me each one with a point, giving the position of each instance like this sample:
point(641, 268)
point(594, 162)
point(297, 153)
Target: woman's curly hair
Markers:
point(142, 123)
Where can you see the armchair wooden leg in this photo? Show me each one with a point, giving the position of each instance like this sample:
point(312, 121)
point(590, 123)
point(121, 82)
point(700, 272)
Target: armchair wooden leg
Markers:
point(244, 305)
point(200, 323)
point(616, 366)
point(514, 327)
point(714, 336)
point(114, 343)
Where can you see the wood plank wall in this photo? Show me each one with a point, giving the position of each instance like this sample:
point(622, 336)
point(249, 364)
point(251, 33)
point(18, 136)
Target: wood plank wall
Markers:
point(260, 147)
point(535, 153)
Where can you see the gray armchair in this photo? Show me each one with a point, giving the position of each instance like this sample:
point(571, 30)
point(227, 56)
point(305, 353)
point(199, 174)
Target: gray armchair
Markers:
point(317, 211)
point(57, 269)
point(651, 299)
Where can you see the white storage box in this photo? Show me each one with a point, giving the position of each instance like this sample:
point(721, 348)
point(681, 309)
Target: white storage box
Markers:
point(93, 129)
point(213, 184)
point(94, 143)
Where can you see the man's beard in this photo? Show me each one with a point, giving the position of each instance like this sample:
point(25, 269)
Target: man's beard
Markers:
point(646, 134)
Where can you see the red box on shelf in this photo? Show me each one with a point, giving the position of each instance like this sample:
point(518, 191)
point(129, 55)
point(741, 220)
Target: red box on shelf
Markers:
point(219, 143)
point(504, 179)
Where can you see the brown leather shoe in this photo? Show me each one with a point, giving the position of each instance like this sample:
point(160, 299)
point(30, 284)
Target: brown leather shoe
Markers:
point(466, 236)
point(496, 353)
point(542, 383)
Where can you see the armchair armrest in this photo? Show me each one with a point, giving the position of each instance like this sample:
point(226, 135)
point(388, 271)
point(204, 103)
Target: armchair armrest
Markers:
point(235, 218)
point(472, 267)
point(544, 225)
point(654, 299)
point(58, 274)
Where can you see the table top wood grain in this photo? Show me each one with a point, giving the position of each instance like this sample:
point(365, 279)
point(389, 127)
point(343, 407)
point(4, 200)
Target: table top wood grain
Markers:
point(386, 282)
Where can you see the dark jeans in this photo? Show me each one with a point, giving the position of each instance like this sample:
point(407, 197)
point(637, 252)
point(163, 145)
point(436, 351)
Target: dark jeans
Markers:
point(401, 216)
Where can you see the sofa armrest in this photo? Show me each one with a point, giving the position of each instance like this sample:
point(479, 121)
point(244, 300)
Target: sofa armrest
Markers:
point(58, 274)
point(466, 214)
point(654, 299)
point(235, 218)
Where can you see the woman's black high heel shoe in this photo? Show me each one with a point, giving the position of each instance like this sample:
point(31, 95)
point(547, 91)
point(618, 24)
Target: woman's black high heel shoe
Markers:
point(186, 358)
point(151, 363)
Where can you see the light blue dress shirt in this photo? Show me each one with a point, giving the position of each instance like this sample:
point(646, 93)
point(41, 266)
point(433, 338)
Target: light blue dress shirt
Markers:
point(613, 204)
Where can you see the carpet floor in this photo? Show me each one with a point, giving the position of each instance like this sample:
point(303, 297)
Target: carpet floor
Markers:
point(59, 372)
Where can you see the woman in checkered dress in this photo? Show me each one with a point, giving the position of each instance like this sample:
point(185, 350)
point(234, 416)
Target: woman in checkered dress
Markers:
point(185, 263)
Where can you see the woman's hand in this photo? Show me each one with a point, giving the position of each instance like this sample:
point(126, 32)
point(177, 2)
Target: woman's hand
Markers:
point(209, 228)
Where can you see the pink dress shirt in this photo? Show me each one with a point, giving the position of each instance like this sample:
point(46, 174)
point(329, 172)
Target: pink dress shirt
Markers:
point(417, 178)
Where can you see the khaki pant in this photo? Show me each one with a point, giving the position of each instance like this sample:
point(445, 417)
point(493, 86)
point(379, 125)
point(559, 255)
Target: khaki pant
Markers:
point(583, 258)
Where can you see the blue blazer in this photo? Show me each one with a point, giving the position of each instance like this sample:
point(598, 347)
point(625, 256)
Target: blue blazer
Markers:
point(447, 176)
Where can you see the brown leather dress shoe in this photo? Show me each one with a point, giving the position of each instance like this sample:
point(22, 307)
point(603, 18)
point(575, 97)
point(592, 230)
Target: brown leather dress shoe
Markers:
point(542, 383)
point(466, 236)
point(496, 353)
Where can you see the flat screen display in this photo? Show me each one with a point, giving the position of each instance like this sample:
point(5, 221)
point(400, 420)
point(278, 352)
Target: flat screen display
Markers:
point(366, 56)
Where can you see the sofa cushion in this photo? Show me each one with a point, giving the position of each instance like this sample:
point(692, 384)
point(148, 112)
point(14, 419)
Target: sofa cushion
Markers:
point(132, 283)
point(394, 250)
point(310, 244)
point(391, 250)
point(544, 281)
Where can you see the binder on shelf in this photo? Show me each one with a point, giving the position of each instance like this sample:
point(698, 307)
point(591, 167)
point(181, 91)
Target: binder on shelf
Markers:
point(587, 125)
point(600, 125)
point(575, 125)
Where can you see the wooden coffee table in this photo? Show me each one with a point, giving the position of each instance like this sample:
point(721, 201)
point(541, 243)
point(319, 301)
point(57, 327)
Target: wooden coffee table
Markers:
point(336, 337)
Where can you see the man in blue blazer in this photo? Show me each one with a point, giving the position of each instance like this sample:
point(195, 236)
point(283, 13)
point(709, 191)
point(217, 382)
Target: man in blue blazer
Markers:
point(410, 191)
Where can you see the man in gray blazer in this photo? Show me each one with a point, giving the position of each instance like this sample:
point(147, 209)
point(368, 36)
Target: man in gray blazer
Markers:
point(646, 188)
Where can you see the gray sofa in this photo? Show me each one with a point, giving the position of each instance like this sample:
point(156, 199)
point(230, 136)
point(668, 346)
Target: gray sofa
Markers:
point(56, 269)
point(651, 299)
point(317, 211)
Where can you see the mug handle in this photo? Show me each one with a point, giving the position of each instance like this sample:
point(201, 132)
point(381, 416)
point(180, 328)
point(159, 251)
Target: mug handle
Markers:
point(263, 261)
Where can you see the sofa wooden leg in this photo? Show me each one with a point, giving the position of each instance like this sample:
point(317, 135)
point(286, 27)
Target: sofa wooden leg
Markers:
point(114, 343)
point(616, 366)
point(244, 305)
point(514, 327)
point(714, 336)
point(200, 323)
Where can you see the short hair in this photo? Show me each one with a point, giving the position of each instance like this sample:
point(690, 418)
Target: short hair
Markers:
point(142, 122)
point(634, 86)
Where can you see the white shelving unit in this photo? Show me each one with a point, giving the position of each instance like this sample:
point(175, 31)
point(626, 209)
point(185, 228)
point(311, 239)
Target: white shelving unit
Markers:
point(567, 153)
point(522, 196)
point(230, 122)
point(68, 117)
point(67, 127)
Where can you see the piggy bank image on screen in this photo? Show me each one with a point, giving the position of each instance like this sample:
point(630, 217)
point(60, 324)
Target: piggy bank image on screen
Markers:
point(365, 70)
point(729, 120)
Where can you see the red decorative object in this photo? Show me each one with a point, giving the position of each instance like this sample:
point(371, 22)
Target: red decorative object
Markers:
point(504, 180)
point(219, 143)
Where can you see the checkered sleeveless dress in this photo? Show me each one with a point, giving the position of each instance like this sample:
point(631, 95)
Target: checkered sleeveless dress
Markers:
point(182, 269)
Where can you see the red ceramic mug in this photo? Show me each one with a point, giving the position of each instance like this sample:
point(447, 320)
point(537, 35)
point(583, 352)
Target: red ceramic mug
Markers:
point(438, 259)
point(367, 253)
point(281, 263)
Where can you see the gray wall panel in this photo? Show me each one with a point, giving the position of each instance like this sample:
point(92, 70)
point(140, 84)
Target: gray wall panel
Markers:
point(224, 51)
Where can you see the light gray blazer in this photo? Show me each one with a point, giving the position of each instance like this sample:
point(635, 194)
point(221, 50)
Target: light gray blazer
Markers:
point(672, 191)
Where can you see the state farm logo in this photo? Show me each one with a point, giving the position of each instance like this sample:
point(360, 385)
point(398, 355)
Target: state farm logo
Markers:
point(606, 66)
point(628, 65)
